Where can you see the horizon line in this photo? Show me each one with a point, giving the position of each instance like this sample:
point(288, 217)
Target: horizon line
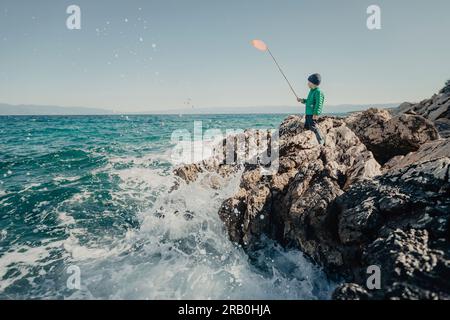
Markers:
point(196, 110)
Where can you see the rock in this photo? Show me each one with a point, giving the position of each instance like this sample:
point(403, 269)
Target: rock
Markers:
point(227, 158)
point(429, 151)
point(435, 109)
point(350, 291)
point(399, 222)
point(446, 90)
point(293, 206)
point(188, 173)
point(346, 213)
point(410, 269)
point(387, 136)
point(332, 203)
point(443, 126)
point(291, 126)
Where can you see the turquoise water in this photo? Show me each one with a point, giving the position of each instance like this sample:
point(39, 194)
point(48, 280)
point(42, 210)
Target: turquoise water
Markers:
point(90, 191)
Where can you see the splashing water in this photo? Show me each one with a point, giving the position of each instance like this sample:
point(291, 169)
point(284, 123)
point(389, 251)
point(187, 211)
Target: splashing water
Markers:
point(93, 192)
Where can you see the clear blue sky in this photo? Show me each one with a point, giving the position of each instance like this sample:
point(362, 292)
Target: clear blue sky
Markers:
point(154, 55)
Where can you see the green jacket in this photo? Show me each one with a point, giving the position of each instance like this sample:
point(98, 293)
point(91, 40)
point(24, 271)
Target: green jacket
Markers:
point(314, 102)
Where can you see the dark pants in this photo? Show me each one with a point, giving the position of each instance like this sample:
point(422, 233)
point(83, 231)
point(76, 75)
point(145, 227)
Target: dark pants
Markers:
point(311, 124)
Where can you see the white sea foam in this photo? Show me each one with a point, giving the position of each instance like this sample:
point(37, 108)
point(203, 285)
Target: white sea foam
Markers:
point(79, 197)
point(181, 249)
point(137, 176)
point(80, 252)
point(65, 218)
point(23, 259)
point(64, 178)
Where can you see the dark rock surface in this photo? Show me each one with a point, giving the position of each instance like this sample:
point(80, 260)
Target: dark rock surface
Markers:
point(388, 136)
point(436, 109)
point(428, 151)
point(400, 222)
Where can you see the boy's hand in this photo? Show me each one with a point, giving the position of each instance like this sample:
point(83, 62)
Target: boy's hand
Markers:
point(301, 100)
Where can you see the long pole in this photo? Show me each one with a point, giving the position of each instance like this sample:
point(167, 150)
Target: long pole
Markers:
point(279, 68)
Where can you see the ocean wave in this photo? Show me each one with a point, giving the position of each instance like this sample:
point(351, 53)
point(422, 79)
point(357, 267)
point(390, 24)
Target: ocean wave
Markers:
point(104, 200)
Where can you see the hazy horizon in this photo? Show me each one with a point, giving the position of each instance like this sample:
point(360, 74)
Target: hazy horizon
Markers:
point(21, 109)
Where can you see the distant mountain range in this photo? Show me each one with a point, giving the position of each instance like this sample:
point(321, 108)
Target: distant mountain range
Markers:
point(7, 109)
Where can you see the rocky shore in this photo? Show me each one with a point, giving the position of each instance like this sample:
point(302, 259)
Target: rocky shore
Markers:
point(376, 194)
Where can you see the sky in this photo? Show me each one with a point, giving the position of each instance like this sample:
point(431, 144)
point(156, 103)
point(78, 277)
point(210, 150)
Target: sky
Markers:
point(136, 56)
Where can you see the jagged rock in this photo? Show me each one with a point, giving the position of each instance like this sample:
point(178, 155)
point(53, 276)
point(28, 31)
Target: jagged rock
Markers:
point(446, 89)
point(188, 173)
point(443, 126)
point(335, 204)
point(291, 126)
point(191, 172)
point(429, 151)
point(410, 269)
point(292, 206)
point(387, 136)
point(332, 203)
point(400, 222)
point(350, 291)
point(228, 157)
point(436, 109)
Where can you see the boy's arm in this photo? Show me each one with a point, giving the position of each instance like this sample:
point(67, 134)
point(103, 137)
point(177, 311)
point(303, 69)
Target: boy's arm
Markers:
point(319, 100)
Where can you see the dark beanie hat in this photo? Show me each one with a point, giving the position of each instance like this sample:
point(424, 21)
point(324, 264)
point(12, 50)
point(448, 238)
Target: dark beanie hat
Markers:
point(315, 79)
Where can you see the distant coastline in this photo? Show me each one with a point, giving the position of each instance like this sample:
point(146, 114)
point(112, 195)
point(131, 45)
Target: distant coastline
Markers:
point(41, 110)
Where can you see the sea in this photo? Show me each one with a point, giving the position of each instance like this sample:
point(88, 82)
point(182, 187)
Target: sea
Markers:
point(88, 211)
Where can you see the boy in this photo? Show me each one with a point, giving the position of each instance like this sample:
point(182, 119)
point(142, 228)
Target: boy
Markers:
point(314, 105)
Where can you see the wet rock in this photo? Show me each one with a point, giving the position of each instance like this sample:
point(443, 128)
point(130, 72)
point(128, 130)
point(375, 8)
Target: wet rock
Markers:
point(188, 215)
point(228, 157)
point(188, 173)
